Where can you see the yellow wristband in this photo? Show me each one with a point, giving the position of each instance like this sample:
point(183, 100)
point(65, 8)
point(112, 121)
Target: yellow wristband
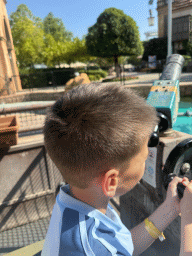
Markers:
point(153, 231)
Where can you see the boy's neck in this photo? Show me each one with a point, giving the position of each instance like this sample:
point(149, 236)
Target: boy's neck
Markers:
point(90, 196)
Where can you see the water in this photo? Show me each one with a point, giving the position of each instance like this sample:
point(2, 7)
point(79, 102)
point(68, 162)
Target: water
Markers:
point(184, 123)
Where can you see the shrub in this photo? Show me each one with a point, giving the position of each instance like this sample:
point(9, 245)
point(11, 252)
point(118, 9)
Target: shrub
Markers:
point(46, 77)
point(33, 80)
point(100, 72)
point(187, 60)
point(81, 71)
point(98, 76)
point(92, 78)
point(95, 77)
point(117, 79)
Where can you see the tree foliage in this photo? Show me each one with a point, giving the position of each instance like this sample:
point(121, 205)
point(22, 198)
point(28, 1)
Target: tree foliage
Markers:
point(114, 34)
point(187, 45)
point(77, 51)
point(156, 46)
point(27, 36)
point(55, 27)
point(54, 51)
point(45, 41)
point(23, 13)
point(103, 62)
point(38, 41)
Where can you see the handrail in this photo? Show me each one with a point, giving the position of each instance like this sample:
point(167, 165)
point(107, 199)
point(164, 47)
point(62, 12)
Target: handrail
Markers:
point(4, 109)
point(31, 116)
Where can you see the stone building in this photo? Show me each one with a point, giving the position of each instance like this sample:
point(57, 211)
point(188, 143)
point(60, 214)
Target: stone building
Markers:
point(182, 22)
point(9, 75)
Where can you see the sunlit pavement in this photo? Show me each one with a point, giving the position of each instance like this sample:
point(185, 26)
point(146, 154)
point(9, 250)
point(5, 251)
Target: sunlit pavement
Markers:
point(16, 238)
point(147, 78)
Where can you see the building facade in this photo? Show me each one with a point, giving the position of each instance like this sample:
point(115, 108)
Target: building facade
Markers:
point(9, 75)
point(181, 22)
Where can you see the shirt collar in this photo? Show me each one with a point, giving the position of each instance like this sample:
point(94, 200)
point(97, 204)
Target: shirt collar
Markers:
point(68, 201)
point(72, 202)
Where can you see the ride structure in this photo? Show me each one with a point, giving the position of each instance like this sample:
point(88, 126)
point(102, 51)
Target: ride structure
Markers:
point(10, 81)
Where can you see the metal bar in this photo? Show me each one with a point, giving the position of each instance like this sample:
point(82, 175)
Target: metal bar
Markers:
point(46, 167)
point(27, 198)
point(27, 146)
point(31, 128)
point(6, 110)
point(169, 27)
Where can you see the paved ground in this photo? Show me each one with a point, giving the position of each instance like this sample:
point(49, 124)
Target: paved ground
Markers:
point(16, 238)
point(150, 78)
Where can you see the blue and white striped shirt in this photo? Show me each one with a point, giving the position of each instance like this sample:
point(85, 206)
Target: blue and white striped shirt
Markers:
point(78, 229)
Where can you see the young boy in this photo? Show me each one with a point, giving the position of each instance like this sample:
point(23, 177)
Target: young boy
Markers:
point(97, 135)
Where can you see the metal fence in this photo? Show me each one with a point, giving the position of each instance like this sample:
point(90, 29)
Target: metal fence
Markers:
point(47, 78)
point(31, 116)
point(29, 180)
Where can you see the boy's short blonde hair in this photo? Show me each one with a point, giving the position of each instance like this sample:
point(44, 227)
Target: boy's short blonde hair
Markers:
point(96, 127)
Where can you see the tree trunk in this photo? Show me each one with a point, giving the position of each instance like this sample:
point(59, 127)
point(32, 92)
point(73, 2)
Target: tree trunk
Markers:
point(117, 69)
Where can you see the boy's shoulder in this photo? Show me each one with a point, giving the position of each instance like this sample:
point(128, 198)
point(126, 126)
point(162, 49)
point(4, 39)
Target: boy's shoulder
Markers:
point(84, 230)
point(91, 234)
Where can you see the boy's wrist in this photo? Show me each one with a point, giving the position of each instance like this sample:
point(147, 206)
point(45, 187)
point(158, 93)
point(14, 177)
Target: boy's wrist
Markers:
point(164, 215)
point(172, 208)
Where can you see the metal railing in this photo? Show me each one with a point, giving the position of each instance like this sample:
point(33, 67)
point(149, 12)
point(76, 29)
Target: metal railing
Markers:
point(47, 78)
point(31, 116)
point(32, 181)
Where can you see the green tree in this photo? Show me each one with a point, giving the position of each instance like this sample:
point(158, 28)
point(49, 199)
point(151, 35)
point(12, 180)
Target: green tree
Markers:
point(55, 27)
point(28, 36)
point(77, 51)
point(22, 13)
point(55, 51)
point(38, 41)
point(114, 34)
point(28, 42)
point(103, 62)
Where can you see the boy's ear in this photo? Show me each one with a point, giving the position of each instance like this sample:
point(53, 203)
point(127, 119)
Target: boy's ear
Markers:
point(110, 182)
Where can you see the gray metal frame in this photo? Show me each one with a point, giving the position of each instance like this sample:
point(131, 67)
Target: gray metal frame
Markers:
point(29, 180)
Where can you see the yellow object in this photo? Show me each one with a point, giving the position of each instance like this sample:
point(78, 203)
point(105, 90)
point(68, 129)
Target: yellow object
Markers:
point(81, 79)
point(153, 231)
point(29, 250)
point(160, 88)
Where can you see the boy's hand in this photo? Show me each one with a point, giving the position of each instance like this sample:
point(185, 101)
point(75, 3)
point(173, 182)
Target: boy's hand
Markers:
point(172, 198)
